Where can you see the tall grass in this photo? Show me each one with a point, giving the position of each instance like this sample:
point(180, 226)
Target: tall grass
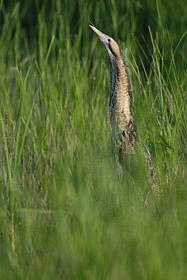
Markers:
point(67, 210)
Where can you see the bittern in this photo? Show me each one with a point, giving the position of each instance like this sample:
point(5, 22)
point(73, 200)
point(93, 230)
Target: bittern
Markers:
point(121, 120)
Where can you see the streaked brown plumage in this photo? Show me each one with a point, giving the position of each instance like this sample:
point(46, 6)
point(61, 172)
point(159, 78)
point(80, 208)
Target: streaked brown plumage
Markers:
point(119, 107)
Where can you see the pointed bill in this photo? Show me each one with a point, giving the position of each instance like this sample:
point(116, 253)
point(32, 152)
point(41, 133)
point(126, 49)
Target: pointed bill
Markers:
point(102, 36)
point(99, 33)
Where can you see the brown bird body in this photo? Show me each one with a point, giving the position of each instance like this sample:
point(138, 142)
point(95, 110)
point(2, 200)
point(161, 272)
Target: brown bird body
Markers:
point(119, 107)
point(121, 120)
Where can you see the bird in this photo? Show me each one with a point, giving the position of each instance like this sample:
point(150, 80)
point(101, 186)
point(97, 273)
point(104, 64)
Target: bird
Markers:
point(121, 120)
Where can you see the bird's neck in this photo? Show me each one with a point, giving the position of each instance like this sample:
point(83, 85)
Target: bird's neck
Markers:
point(119, 95)
point(114, 72)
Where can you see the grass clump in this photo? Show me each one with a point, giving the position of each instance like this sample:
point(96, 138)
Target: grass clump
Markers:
point(66, 210)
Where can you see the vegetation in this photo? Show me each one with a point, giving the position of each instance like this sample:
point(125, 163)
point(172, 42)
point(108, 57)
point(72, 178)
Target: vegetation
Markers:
point(67, 210)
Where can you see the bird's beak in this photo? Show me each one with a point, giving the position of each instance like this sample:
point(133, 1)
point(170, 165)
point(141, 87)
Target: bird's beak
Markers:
point(102, 37)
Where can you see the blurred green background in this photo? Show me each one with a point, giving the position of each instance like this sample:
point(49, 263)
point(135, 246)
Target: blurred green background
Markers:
point(68, 210)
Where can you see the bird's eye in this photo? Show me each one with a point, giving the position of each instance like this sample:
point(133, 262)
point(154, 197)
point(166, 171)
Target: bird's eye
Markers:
point(109, 40)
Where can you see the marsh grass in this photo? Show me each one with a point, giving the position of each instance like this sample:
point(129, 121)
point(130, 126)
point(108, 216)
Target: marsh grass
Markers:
point(67, 212)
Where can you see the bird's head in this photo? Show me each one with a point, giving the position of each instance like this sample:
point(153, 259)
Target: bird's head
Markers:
point(110, 44)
